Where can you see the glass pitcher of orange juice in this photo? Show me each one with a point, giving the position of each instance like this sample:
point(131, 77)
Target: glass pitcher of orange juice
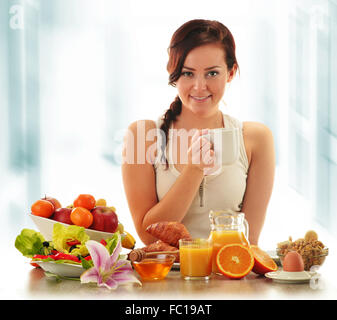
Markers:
point(227, 227)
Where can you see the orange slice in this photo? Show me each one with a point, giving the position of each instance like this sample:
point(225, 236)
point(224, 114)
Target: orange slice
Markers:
point(235, 260)
point(263, 262)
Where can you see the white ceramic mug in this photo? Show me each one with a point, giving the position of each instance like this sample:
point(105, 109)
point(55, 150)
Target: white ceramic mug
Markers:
point(225, 143)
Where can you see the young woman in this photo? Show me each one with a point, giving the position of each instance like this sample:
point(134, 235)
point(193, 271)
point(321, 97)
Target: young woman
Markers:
point(172, 175)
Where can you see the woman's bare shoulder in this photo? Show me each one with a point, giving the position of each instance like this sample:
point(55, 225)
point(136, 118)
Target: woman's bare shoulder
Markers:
point(256, 130)
point(142, 125)
point(140, 142)
point(256, 136)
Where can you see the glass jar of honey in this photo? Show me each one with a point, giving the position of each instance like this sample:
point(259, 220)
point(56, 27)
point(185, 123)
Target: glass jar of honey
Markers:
point(155, 266)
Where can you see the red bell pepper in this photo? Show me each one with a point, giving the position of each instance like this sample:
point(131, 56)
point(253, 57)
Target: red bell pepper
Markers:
point(65, 256)
point(38, 257)
point(34, 265)
point(57, 256)
point(73, 242)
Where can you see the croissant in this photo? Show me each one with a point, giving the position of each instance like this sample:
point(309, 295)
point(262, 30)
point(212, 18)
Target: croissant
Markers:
point(161, 246)
point(169, 232)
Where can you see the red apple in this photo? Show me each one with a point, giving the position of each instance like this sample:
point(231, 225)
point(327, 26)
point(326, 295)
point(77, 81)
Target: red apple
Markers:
point(53, 201)
point(62, 215)
point(105, 219)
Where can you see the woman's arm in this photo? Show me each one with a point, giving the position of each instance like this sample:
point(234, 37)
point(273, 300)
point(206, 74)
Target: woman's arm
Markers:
point(261, 155)
point(140, 187)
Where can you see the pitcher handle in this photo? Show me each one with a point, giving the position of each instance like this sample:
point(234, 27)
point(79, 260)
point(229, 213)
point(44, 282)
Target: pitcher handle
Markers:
point(245, 222)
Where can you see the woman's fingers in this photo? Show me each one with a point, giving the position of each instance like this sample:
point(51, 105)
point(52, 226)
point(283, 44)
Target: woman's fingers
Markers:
point(202, 152)
point(201, 149)
point(208, 157)
point(198, 134)
point(195, 136)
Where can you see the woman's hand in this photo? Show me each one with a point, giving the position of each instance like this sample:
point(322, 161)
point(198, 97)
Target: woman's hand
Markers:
point(201, 154)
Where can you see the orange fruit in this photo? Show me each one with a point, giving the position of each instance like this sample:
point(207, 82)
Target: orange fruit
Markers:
point(85, 201)
point(263, 262)
point(235, 260)
point(81, 217)
point(42, 208)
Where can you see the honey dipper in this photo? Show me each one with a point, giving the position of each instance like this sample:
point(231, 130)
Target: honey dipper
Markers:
point(139, 254)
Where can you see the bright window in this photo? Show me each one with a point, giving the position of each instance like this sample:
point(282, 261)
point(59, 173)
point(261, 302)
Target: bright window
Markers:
point(76, 73)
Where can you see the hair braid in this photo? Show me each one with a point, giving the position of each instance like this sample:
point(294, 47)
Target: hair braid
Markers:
point(169, 117)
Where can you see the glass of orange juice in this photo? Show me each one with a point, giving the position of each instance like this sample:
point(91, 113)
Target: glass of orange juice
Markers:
point(195, 259)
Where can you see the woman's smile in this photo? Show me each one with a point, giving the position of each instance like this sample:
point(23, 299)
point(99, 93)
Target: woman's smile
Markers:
point(201, 99)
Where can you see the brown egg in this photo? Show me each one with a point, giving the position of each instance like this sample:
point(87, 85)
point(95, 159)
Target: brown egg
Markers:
point(293, 262)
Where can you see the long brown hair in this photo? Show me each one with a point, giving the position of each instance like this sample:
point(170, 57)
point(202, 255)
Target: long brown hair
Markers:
point(190, 35)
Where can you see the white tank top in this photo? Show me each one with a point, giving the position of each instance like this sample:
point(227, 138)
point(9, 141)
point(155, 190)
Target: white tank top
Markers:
point(216, 192)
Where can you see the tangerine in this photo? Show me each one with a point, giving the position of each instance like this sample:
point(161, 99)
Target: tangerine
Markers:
point(81, 217)
point(42, 208)
point(235, 260)
point(263, 262)
point(86, 201)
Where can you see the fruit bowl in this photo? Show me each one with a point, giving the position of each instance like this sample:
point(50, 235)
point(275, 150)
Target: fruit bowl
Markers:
point(154, 266)
point(46, 226)
point(309, 259)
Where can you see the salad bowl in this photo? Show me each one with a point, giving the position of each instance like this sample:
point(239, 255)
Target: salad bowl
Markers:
point(46, 225)
point(61, 269)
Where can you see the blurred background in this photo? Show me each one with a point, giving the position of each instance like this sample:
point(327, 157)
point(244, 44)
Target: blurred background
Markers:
point(75, 73)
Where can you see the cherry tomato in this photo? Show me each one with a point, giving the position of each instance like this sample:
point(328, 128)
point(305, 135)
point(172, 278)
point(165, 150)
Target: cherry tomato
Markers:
point(81, 217)
point(42, 208)
point(85, 201)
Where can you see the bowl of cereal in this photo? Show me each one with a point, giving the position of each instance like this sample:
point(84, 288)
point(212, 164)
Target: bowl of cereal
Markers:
point(312, 250)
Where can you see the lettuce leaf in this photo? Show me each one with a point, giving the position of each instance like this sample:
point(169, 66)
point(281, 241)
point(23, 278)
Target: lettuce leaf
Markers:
point(86, 264)
point(62, 234)
point(29, 242)
point(111, 243)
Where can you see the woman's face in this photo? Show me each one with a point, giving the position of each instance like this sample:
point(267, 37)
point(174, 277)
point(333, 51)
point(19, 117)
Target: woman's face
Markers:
point(203, 79)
